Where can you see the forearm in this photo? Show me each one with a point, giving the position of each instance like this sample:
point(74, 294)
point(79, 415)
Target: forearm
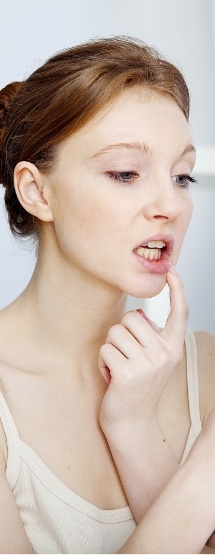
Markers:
point(180, 520)
point(145, 464)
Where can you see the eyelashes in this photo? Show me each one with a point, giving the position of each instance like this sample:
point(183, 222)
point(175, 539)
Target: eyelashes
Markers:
point(184, 179)
point(129, 176)
point(123, 177)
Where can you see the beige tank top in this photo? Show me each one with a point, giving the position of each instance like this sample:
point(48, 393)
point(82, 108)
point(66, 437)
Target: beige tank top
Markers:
point(57, 520)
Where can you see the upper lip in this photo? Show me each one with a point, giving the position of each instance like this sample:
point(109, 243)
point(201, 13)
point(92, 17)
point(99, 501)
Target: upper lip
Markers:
point(168, 239)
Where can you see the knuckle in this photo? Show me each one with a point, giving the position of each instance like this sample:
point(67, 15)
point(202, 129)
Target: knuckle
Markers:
point(129, 376)
point(165, 358)
point(128, 318)
point(104, 350)
point(114, 332)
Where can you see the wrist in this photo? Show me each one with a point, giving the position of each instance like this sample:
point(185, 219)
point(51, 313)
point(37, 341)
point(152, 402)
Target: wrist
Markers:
point(137, 433)
point(129, 422)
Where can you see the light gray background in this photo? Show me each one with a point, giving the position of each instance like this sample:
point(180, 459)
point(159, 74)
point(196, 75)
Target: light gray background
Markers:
point(184, 30)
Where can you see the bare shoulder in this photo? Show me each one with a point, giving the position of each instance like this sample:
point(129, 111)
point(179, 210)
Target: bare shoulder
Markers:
point(11, 339)
point(13, 538)
point(3, 347)
point(206, 366)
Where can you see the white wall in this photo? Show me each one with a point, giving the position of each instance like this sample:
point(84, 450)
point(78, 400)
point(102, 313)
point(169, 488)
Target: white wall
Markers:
point(183, 30)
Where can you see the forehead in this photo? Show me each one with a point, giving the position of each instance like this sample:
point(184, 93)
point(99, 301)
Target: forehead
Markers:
point(137, 115)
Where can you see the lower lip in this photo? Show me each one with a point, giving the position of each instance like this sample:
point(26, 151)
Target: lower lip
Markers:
point(161, 266)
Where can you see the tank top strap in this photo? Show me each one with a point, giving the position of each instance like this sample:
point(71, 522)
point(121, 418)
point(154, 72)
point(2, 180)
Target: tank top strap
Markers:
point(13, 443)
point(193, 393)
point(193, 382)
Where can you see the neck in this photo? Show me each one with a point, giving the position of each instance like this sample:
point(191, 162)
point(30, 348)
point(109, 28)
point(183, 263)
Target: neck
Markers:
point(74, 311)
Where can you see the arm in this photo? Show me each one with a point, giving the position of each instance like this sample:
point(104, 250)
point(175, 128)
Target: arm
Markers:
point(206, 364)
point(145, 463)
point(13, 538)
point(141, 359)
point(182, 517)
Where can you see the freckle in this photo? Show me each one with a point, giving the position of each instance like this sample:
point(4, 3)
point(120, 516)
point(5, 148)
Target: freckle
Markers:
point(164, 440)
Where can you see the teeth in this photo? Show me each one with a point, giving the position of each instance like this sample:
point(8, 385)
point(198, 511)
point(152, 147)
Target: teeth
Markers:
point(151, 250)
point(155, 244)
point(149, 254)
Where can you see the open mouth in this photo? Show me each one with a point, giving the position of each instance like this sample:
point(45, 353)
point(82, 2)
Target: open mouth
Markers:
point(152, 250)
point(155, 252)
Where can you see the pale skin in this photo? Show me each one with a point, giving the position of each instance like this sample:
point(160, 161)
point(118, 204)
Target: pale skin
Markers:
point(117, 181)
point(190, 499)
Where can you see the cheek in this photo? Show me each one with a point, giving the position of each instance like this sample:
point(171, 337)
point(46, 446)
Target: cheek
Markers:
point(183, 225)
point(187, 215)
point(83, 222)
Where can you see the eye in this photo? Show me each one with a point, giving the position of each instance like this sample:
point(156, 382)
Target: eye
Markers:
point(184, 179)
point(122, 177)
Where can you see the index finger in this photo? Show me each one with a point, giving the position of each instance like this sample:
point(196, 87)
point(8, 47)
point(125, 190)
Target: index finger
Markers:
point(176, 325)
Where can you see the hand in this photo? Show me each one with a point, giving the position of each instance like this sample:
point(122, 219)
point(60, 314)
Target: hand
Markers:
point(138, 359)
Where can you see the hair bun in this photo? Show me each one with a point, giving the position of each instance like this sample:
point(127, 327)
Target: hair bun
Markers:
point(6, 95)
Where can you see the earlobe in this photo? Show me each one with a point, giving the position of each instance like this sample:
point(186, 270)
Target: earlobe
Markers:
point(31, 192)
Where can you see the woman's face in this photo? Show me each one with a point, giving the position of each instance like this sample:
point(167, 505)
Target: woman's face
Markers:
point(121, 193)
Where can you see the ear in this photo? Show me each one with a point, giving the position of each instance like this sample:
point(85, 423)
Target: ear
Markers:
point(33, 191)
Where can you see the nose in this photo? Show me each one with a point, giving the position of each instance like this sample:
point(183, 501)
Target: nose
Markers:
point(165, 200)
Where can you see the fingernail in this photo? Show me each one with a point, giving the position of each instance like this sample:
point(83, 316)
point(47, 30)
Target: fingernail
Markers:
point(140, 311)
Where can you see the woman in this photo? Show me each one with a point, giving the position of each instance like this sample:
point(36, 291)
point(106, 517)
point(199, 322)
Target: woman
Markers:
point(96, 161)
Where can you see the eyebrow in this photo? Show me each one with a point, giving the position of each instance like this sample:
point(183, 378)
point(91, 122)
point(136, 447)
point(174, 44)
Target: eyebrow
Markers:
point(141, 147)
point(131, 146)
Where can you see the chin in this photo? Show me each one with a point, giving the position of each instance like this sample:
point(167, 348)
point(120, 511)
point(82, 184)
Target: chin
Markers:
point(150, 287)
